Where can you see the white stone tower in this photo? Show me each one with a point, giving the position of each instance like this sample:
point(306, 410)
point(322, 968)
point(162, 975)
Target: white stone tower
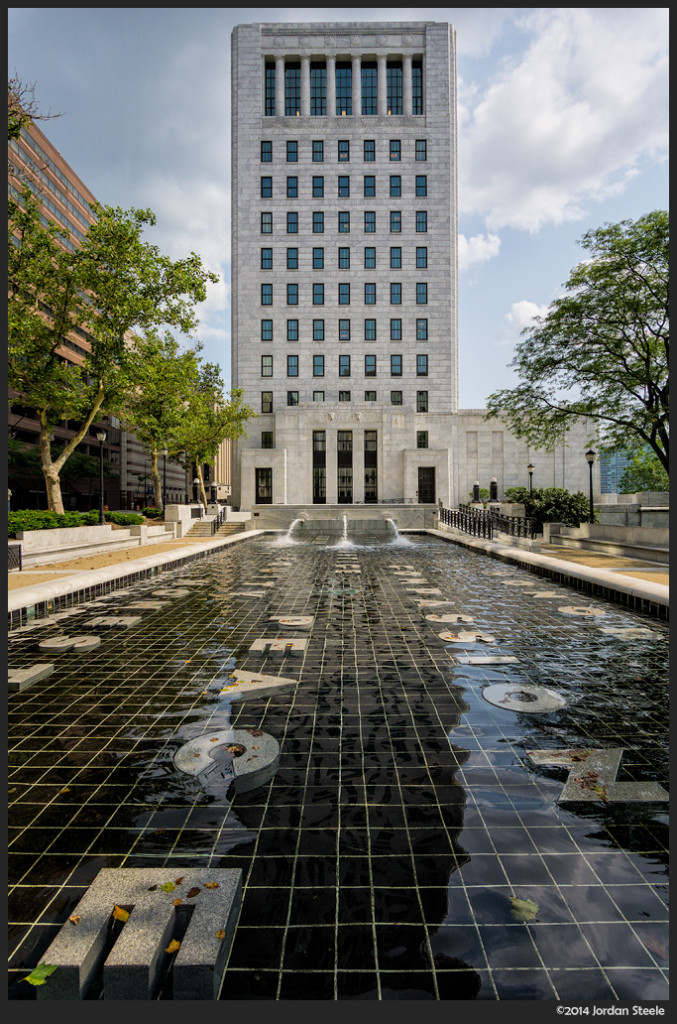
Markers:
point(344, 256)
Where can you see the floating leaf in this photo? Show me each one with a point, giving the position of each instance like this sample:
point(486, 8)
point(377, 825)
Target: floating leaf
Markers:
point(66, 790)
point(193, 892)
point(177, 881)
point(523, 910)
point(173, 946)
point(168, 887)
point(119, 914)
point(211, 885)
point(152, 888)
point(39, 975)
point(177, 901)
point(214, 739)
point(221, 934)
point(74, 919)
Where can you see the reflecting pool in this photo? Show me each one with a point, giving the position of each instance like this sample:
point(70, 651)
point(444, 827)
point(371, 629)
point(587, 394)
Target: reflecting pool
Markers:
point(410, 839)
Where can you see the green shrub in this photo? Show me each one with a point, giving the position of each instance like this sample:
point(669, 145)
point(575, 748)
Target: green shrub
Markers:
point(123, 518)
point(152, 513)
point(552, 505)
point(34, 519)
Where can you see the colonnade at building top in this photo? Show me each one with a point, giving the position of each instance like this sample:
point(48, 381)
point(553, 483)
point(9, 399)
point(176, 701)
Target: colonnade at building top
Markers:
point(343, 86)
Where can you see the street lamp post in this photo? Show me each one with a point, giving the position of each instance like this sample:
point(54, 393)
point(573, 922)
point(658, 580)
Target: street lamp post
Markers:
point(530, 468)
point(101, 437)
point(196, 484)
point(164, 454)
point(590, 456)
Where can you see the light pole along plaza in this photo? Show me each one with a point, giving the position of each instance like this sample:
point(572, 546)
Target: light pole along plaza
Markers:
point(164, 454)
point(101, 437)
point(530, 468)
point(590, 456)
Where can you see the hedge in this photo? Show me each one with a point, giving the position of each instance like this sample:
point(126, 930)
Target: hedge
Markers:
point(33, 519)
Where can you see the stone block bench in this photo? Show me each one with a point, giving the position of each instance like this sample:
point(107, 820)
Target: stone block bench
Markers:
point(39, 547)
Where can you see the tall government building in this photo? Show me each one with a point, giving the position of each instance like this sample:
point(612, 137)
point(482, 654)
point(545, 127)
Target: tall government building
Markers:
point(345, 267)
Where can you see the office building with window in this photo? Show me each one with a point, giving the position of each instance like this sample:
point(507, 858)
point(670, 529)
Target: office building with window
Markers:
point(66, 201)
point(344, 260)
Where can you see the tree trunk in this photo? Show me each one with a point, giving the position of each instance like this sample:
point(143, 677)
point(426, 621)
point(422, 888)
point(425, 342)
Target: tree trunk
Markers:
point(155, 472)
point(49, 471)
point(198, 470)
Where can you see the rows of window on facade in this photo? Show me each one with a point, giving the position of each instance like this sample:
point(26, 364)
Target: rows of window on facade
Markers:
point(416, 330)
point(316, 221)
point(290, 187)
point(294, 398)
point(344, 365)
point(331, 86)
point(416, 148)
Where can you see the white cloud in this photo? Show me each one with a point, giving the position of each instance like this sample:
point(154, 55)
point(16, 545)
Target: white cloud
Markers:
point(569, 120)
point(522, 314)
point(477, 249)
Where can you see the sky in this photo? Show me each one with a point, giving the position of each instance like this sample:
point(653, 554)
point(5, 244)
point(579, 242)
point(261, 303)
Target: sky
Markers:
point(562, 127)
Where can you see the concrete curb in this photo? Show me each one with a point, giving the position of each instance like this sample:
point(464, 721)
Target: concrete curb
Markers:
point(91, 579)
point(638, 590)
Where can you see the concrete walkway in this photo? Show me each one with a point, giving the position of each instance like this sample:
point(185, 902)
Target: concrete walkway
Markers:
point(42, 585)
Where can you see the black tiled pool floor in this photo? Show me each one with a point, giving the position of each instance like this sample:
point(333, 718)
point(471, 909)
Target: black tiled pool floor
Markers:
point(382, 859)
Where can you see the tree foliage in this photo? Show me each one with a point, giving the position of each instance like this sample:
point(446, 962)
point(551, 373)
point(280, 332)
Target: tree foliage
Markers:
point(114, 284)
point(645, 473)
point(552, 505)
point(155, 406)
point(23, 107)
point(601, 350)
point(210, 419)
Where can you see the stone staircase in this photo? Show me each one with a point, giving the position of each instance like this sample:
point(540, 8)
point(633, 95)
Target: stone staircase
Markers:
point(203, 528)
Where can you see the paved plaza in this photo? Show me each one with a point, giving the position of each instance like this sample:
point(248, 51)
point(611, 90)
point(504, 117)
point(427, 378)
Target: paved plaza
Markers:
point(461, 771)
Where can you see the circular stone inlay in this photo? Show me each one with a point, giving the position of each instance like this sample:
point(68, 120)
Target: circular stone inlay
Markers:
point(523, 697)
point(574, 609)
point(467, 636)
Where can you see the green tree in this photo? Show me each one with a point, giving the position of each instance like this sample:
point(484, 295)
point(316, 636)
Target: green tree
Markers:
point(22, 106)
point(154, 408)
point(552, 505)
point(115, 283)
point(601, 351)
point(645, 473)
point(210, 419)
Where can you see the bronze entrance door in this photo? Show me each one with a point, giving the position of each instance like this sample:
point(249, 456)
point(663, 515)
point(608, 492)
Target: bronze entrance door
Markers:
point(426, 485)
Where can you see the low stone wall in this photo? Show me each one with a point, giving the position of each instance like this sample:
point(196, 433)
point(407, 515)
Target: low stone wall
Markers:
point(652, 543)
point(360, 517)
point(627, 514)
point(40, 547)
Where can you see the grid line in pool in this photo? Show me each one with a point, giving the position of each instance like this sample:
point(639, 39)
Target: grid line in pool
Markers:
point(383, 858)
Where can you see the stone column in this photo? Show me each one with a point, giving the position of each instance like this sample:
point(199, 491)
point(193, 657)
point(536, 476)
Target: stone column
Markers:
point(332, 465)
point(305, 86)
point(407, 106)
point(382, 88)
point(357, 86)
point(358, 465)
point(279, 86)
point(331, 86)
